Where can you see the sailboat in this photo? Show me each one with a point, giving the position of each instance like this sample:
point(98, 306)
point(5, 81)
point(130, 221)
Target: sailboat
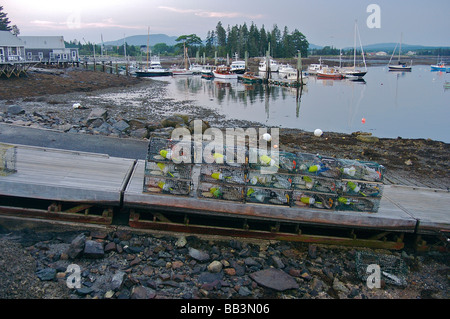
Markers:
point(352, 72)
point(186, 70)
point(155, 68)
point(400, 66)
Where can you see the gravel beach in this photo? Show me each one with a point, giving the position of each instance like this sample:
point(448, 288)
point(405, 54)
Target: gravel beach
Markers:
point(124, 264)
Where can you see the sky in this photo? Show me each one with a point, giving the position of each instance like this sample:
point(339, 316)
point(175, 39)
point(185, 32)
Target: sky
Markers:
point(323, 22)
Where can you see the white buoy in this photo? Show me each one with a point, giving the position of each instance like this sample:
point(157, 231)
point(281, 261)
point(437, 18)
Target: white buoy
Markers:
point(318, 132)
point(267, 137)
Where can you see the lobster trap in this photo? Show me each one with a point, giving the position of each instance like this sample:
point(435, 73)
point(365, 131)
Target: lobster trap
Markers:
point(313, 200)
point(221, 191)
point(8, 156)
point(393, 270)
point(222, 174)
point(358, 204)
point(169, 186)
point(278, 180)
point(361, 170)
point(272, 196)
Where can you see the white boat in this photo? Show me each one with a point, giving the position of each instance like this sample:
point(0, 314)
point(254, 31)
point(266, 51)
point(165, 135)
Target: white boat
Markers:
point(207, 71)
point(400, 66)
point(153, 69)
point(196, 68)
point(286, 69)
point(316, 67)
point(224, 72)
point(353, 72)
point(238, 66)
point(273, 66)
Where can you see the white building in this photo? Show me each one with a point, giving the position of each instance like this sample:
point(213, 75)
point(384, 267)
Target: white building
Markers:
point(48, 49)
point(12, 48)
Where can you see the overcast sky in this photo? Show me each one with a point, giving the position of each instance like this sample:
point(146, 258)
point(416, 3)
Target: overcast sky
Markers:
point(323, 22)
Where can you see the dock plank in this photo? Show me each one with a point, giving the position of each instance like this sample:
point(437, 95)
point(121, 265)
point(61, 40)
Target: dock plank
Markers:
point(67, 176)
point(389, 216)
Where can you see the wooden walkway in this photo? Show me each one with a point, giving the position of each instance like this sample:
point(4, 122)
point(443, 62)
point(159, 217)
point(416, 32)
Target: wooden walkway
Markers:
point(402, 208)
point(89, 178)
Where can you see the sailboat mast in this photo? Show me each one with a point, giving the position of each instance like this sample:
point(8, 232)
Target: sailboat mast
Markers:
point(400, 49)
point(148, 43)
point(354, 48)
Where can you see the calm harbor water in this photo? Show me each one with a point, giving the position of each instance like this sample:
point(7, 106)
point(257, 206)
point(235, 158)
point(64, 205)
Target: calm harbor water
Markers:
point(410, 104)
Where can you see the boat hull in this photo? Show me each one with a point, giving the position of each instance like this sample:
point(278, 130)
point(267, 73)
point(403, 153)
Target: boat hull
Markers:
point(228, 76)
point(399, 68)
point(146, 74)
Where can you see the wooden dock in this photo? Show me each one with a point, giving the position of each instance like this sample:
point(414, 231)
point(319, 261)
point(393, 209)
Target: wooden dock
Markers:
point(87, 179)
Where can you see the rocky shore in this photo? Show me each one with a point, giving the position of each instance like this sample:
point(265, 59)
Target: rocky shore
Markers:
point(123, 264)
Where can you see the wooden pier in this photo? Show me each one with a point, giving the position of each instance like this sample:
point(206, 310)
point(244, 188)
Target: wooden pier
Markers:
point(16, 69)
point(76, 182)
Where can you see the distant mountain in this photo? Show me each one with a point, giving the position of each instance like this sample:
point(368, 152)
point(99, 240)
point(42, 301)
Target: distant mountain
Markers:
point(389, 47)
point(142, 40)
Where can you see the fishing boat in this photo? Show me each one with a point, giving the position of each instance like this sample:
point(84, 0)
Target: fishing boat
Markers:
point(330, 73)
point(285, 69)
point(238, 66)
point(196, 68)
point(224, 72)
point(153, 69)
point(207, 71)
point(263, 67)
point(316, 67)
point(251, 78)
point(400, 66)
point(440, 67)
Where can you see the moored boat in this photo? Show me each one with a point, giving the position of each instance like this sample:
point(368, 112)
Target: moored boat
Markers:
point(316, 67)
point(207, 71)
point(153, 69)
point(330, 73)
point(224, 72)
point(440, 67)
point(263, 67)
point(251, 78)
point(238, 66)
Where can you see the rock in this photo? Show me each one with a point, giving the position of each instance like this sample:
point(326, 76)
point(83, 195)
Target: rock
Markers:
point(83, 291)
point(15, 110)
point(277, 262)
point(215, 266)
point(136, 124)
point(121, 126)
point(109, 294)
point(275, 279)
point(340, 286)
point(117, 280)
point(206, 277)
point(172, 121)
point(367, 138)
point(199, 255)
point(97, 113)
point(181, 242)
point(76, 246)
point(93, 249)
point(312, 251)
point(230, 271)
point(139, 133)
point(244, 291)
point(46, 274)
point(111, 246)
point(141, 292)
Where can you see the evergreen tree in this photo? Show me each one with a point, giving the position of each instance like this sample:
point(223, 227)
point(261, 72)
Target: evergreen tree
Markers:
point(4, 21)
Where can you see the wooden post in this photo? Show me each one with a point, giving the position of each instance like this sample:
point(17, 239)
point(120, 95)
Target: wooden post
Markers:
point(103, 66)
point(117, 69)
point(110, 67)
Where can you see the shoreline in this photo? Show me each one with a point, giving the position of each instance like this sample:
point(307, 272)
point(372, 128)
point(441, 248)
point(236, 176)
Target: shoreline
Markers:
point(46, 101)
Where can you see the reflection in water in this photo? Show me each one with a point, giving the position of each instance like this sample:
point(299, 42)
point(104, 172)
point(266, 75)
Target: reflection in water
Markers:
point(393, 103)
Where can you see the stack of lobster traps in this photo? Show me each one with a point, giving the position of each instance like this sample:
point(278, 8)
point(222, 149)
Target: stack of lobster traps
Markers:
point(249, 175)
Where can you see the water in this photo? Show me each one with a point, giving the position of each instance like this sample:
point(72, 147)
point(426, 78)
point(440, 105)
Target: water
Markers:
point(410, 104)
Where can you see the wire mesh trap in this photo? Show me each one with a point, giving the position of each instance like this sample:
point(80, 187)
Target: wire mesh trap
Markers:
point(393, 269)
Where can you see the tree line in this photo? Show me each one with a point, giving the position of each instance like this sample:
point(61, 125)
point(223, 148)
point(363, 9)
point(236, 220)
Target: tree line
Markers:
point(220, 42)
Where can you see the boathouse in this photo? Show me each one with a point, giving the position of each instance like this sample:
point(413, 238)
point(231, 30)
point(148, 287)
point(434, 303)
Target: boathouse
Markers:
point(49, 50)
point(12, 48)
point(12, 55)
